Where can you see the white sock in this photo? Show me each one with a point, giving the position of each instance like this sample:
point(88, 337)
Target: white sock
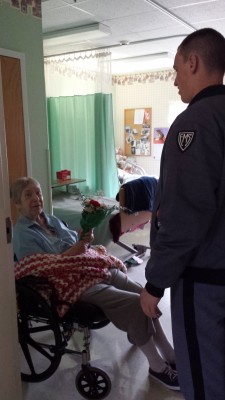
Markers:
point(149, 349)
point(162, 343)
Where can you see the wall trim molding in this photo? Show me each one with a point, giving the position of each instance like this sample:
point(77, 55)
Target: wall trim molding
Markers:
point(29, 7)
point(144, 77)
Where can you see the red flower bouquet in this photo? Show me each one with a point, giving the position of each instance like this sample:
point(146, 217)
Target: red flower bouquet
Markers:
point(93, 214)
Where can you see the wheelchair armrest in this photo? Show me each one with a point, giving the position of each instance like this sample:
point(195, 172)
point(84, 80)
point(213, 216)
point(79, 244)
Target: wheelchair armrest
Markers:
point(40, 285)
point(87, 314)
point(33, 280)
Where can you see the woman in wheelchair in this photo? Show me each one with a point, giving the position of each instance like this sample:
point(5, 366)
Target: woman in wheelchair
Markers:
point(44, 246)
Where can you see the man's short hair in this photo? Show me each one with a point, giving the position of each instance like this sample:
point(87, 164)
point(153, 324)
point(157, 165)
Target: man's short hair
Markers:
point(209, 44)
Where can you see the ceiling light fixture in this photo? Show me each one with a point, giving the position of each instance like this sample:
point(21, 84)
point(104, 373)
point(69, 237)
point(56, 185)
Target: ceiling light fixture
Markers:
point(146, 62)
point(65, 37)
point(145, 57)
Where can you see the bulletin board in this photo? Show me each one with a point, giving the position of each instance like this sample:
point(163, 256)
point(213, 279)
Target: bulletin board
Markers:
point(137, 131)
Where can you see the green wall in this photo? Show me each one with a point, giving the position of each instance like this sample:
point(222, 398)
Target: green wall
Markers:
point(21, 32)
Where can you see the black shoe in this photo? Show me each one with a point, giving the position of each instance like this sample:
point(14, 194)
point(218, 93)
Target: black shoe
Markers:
point(172, 365)
point(168, 377)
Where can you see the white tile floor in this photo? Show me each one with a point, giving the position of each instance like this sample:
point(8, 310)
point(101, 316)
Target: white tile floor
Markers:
point(110, 351)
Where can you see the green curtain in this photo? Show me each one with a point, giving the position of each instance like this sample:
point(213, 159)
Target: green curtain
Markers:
point(81, 139)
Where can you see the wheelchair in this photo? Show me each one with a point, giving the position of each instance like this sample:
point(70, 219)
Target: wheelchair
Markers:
point(44, 336)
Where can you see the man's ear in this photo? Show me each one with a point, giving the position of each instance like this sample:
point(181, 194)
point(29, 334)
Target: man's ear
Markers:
point(193, 62)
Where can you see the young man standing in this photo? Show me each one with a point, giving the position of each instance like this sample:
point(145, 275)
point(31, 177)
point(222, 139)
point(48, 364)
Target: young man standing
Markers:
point(188, 226)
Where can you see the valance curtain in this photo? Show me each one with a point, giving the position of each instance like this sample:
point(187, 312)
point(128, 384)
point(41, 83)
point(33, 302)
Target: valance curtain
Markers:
point(80, 120)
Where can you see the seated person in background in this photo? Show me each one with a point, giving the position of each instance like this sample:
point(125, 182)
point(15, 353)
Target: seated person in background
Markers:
point(48, 248)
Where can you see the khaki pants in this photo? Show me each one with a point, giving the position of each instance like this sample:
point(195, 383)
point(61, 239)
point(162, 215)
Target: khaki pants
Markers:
point(119, 298)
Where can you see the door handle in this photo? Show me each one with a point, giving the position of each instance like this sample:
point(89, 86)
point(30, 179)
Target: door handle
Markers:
point(8, 226)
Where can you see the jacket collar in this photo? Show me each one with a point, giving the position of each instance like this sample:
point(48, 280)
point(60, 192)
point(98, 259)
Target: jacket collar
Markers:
point(208, 92)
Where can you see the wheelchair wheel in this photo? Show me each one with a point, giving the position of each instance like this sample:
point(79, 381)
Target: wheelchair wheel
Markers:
point(41, 344)
point(93, 383)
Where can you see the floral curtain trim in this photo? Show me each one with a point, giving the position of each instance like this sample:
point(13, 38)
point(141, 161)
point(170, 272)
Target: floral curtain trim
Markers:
point(147, 77)
point(82, 65)
point(94, 65)
point(32, 7)
point(64, 69)
point(78, 65)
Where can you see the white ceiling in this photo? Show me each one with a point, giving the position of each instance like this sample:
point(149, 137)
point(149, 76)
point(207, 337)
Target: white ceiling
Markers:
point(150, 28)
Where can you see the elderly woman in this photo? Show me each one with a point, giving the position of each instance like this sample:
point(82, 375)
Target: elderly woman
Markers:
point(43, 245)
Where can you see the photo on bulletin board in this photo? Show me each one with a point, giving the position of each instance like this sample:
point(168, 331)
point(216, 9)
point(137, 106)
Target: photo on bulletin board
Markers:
point(159, 135)
point(127, 129)
point(129, 138)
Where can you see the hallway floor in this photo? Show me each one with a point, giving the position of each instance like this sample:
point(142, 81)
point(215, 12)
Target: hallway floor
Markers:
point(111, 351)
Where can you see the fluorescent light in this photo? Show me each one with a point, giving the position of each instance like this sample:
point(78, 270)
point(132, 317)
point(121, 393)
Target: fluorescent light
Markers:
point(69, 37)
point(85, 32)
point(142, 63)
point(144, 57)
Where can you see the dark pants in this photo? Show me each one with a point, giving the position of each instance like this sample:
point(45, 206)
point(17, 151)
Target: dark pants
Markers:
point(198, 323)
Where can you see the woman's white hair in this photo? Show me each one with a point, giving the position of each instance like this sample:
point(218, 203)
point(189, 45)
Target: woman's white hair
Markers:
point(19, 185)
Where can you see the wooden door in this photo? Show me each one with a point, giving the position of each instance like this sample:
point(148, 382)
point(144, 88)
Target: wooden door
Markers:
point(14, 120)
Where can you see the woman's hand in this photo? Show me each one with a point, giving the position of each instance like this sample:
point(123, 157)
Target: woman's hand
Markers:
point(78, 248)
point(81, 246)
point(87, 237)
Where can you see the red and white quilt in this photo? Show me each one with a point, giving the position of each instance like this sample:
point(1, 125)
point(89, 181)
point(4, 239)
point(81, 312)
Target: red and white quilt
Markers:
point(70, 275)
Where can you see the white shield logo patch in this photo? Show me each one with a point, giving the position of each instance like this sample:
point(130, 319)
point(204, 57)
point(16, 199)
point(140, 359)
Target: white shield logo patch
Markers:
point(185, 139)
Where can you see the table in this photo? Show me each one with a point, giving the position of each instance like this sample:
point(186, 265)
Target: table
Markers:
point(59, 182)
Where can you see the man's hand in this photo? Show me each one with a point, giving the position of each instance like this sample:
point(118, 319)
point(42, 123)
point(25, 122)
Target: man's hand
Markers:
point(149, 304)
